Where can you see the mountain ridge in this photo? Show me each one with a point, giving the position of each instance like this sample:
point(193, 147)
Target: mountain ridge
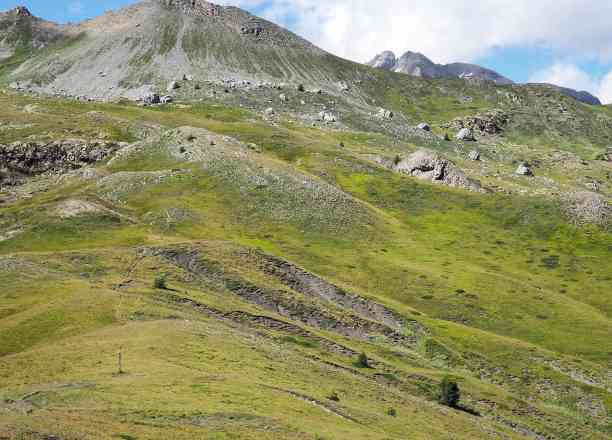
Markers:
point(417, 64)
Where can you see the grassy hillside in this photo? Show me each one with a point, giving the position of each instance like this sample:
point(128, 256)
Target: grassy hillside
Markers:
point(287, 250)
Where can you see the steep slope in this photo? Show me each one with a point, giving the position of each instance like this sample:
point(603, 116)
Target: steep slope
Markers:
point(217, 266)
point(149, 44)
point(417, 64)
point(279, 257)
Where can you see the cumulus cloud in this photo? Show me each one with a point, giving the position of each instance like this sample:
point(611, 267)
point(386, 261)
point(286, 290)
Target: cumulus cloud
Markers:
point(445, 30)
point(572, 76)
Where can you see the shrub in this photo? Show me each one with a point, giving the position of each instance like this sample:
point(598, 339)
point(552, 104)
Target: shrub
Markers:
point(392, 412)
point(449, 393)
point(447, 137)
point(161, 281)
point(334, 397)
point(397, 159)
point(362, 361)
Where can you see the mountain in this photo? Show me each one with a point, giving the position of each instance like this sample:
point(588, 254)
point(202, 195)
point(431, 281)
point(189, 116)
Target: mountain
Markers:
point(156, 41)
point(276, 243)
point(582, 96)
point(21, 31)
point(417, 64)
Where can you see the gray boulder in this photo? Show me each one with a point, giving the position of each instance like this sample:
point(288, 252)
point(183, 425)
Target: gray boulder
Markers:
point(524, 170)
point(424, 126)
point(465, 134)
point(327, 116)
point(474, 155)
point(384, 114)
point(430, 166)
point(173, 86)
point(150, 99)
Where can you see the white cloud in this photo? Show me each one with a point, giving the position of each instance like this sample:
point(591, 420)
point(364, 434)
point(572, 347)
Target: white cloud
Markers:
point(446, 30)
point(572, 76)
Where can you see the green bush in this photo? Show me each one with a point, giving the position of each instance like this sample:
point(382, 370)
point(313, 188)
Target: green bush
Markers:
point(161, 281)
point(392, 412)
point(362, 361)
point(449, 393)
point(334, 397)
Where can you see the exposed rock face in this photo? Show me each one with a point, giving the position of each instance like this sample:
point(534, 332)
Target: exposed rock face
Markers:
point(22, 159)
point(427, 165)
point(22, 11)
point(385, 60)
point(588, 208)
point(489, 123)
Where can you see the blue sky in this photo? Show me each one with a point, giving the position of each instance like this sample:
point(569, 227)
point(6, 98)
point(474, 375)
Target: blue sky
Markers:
point(568, 42)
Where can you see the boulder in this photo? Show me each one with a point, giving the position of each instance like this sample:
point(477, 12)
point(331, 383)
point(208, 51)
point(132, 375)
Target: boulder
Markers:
point(150, 99)
point(465, 134)
point(424, 126)
point(269, 111)
point(430, 166)
point(327, 116)
point(489, 123)
point(173, 86)
point(167, 99)
point(283, 97)
point(474, 155)
point(524, 170)
point(384, 114)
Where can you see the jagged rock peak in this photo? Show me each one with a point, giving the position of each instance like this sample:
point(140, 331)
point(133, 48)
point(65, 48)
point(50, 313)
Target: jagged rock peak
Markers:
point(385, 60)
point(21, 11)
point(199, 7)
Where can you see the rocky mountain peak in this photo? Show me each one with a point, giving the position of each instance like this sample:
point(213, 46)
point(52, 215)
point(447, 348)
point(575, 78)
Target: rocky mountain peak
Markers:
point(22, 11)
point(385, 60)
point(197, 7)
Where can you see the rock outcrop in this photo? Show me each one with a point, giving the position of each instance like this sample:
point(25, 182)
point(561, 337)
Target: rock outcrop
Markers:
point(489, 123)
point(430, 166)
point(588, 208)
point(23, 159)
